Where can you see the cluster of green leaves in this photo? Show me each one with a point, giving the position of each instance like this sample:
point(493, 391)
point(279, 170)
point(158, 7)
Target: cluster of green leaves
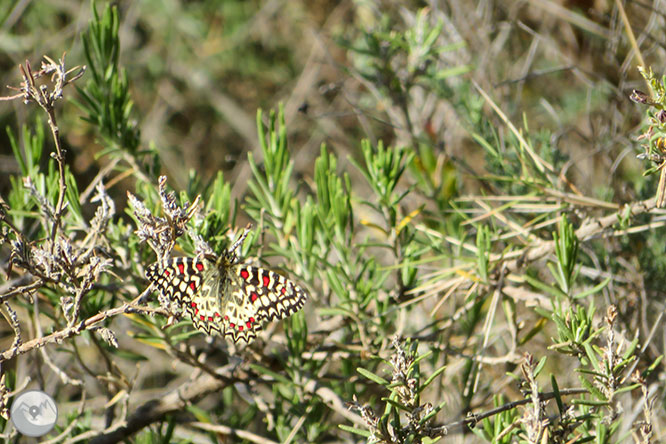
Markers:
point(405, 418)
point(321, 238)
point(106, 98)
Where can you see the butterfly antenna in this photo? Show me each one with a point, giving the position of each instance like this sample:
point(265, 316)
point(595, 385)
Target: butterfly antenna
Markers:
point(236, 245)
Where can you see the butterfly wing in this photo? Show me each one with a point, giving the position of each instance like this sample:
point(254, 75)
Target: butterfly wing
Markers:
point(253, 296)
point(178, 280)
point(240, 318)
point(273, 296)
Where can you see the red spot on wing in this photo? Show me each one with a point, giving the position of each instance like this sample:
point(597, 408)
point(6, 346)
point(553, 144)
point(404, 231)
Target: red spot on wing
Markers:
point(193, 304)
point(284, 290)
point(244, 274)
point(181, 268)
point(254, 297)
point(249, 324)
point(252, 320)
point(240, 328)
point(267, 280)
point(167, 273)
point(210, 319)
point(217, 315)
point(203, 318)
point(193, 286)
point(199, 266)
point(232, 325)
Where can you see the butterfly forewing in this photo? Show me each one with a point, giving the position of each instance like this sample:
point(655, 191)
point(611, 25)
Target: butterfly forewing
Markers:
point(229, 299)
point(273, 296)
point(179, 280)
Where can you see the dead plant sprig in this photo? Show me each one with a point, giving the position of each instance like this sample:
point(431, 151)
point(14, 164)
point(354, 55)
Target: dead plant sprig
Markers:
point(46, 98)
point(643, 430)
point(161, 232)
point(534, 418)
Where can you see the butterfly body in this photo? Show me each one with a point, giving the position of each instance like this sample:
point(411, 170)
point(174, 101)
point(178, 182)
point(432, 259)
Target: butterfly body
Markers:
point(224, 297)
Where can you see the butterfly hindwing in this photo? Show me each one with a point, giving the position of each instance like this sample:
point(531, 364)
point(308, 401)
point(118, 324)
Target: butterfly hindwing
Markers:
point(222, 307)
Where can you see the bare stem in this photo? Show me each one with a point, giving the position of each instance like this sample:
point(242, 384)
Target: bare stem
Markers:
point(45, 98)
point(59, 336)
point(59, 157)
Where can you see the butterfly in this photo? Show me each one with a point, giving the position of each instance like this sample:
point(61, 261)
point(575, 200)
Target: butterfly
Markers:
point(223, 296)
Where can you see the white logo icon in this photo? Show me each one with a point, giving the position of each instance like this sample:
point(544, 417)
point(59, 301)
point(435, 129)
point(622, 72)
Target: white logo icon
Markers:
point(33, 413)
